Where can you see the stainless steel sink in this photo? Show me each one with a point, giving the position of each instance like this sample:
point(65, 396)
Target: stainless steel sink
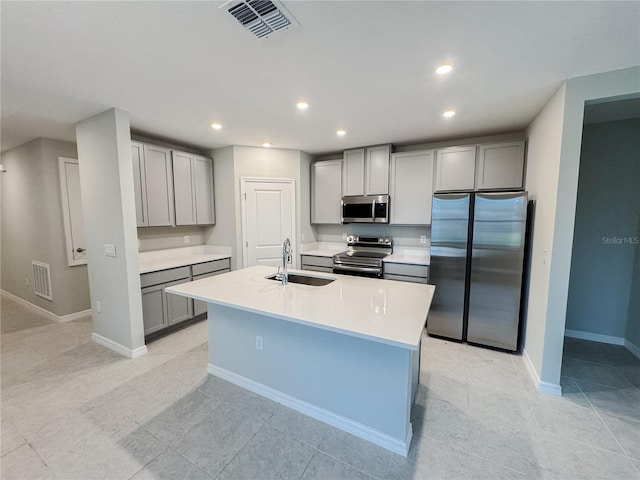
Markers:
point(303, 279)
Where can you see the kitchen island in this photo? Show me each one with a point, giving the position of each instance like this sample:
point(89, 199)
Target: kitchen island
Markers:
point(346, 353)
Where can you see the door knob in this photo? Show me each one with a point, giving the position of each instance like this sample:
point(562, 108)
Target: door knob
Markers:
point(80, 249)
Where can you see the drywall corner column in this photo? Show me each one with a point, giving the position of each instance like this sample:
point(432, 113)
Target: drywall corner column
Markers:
point(106, 181)
point(543, 159)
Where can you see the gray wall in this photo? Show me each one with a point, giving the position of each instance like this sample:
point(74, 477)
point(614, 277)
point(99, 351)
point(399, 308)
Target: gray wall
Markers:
point(230, 164)
point(632, 334)
point(608, 205)
point(33, 228)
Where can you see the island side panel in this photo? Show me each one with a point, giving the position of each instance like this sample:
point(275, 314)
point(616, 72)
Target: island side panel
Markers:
point(365, 381)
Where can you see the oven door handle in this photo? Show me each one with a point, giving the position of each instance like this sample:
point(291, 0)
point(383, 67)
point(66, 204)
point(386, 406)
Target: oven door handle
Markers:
point(353, 268)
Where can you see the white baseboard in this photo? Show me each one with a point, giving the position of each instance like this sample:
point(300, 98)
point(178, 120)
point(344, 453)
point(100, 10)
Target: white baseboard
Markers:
point(46, 313)
point(374, 436)
point(543, 387)
point(594, 337)
point(632, 348)
point(118, 348)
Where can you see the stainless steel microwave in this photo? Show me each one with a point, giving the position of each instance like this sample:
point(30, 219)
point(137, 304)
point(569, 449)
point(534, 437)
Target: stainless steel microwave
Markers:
point(365, 209)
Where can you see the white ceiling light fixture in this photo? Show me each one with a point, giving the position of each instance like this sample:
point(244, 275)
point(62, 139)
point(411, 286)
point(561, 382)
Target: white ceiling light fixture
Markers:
point(302, 105)
point(449, 113)
point(341, 132)
point(444, 68)
point(261, 17)
point(216, 126)
point(266, 144)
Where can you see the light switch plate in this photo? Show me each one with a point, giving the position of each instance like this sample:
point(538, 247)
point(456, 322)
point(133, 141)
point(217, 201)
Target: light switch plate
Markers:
point(109, 250)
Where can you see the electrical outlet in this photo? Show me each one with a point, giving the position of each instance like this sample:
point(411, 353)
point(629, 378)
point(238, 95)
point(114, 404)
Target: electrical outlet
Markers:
point(186, 239)
point(26, 281)
point(423, 239)
point(109, 250)
point(344, 236)
point(98, 306)
point(259, 343)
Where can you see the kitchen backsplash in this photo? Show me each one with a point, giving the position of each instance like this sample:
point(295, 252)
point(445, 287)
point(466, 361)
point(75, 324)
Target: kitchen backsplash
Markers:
point(402, 236)
point(158, 238)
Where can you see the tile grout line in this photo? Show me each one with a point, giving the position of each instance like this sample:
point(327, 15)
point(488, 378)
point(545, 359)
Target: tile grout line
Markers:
point(624, 451)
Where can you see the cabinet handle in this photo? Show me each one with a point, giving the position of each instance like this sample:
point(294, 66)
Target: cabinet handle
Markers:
point(80, 249)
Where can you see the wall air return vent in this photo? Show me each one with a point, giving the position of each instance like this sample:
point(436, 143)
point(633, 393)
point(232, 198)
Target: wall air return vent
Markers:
point(261, 17)
point(42, 280)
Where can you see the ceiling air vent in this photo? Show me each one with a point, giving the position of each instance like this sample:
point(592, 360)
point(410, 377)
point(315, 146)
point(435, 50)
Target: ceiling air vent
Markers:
point(261, 17)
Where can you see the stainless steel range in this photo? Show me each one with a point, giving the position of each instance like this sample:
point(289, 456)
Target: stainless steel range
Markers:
point(363, 256)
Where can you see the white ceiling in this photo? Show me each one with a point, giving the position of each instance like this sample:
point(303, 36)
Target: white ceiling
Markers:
point(363, 66)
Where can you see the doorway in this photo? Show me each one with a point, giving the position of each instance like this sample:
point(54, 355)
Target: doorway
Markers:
point(268, 217)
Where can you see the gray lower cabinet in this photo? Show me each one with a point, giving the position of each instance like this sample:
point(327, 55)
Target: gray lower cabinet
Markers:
point(317, 264)
point(406, 272)
point(161, 310)
point(204, 270)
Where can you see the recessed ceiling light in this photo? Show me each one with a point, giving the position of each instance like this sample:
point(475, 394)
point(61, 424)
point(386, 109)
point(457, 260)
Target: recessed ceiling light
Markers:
point(266, 144)
point(444, 68)
point(449, 113)
point(302, 105)
point(216, 126)
point(341, 133)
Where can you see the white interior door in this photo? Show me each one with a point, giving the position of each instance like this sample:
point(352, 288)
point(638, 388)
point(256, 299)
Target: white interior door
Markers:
point(72, 211)
point(269, 218)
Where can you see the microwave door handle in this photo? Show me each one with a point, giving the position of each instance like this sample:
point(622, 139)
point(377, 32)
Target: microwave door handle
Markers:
point(373, 210)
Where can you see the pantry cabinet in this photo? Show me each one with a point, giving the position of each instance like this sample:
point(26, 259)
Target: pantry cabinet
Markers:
point(411, 187)
point(326, 192)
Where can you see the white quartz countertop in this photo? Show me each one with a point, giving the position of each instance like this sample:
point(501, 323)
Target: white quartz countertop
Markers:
point(155, 260)
point(379, 310)
point(322, 249)
point(411, 256)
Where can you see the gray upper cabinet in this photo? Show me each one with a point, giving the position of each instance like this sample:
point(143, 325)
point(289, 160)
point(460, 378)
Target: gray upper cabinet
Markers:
point(365, 171)
point(500, 166)
point(411, 187)
point(455, 169)
point(203, 185)
point(139, 184)
point(326, 191)
point(376, 170)
point(353, 172)
point(193, 189)
point(159, 186)
point(183, 188)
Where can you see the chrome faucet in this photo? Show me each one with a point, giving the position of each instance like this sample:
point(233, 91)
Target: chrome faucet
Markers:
point(286, 259)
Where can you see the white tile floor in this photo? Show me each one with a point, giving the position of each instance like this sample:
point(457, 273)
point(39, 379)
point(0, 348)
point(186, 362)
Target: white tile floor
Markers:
point(72, 409)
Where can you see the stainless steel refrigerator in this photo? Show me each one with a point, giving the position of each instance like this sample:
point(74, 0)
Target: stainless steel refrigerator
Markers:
point(477, 262)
